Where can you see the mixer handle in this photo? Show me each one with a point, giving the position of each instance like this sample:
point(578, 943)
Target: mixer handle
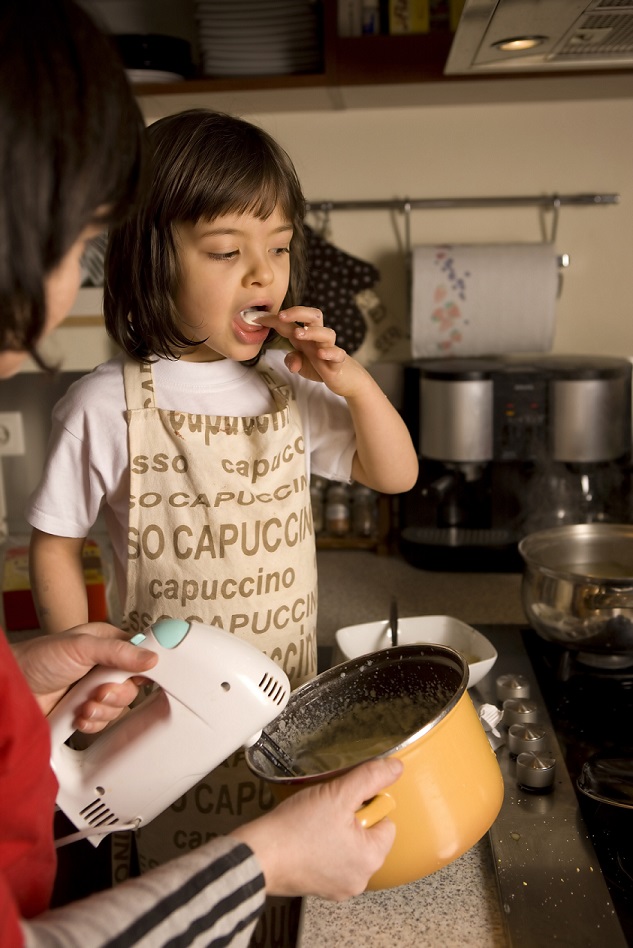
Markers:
point(62, 716)
point(167, 633)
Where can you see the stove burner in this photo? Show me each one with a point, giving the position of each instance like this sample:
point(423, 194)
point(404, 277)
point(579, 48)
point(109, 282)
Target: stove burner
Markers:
point(604, 660)
point(565, 664)
point(608, 779)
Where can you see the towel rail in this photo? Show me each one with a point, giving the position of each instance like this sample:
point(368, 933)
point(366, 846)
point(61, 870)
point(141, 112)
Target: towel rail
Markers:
point(406, 205)
point(414, 204)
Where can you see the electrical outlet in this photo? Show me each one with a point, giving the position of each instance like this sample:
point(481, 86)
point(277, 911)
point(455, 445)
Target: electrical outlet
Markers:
point(11, 433)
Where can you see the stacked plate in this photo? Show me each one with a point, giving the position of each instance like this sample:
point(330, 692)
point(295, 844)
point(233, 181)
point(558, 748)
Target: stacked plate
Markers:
point(258, 37)
point(153, 57)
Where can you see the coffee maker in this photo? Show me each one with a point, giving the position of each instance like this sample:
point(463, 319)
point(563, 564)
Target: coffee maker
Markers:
point(508, 446)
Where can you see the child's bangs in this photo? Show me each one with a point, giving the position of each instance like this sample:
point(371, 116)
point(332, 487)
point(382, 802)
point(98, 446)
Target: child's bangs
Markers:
point(254, 194)
point(274, 191)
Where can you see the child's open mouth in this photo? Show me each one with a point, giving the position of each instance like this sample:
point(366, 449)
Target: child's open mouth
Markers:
point(250, 315)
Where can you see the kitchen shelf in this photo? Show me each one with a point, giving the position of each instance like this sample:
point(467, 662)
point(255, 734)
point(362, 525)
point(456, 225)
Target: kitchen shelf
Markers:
point(371, 69)
point(383, 541)
point(233, 84)
point(357, 60)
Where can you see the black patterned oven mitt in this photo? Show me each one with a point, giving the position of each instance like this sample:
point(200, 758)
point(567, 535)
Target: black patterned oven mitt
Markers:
point(334, 280)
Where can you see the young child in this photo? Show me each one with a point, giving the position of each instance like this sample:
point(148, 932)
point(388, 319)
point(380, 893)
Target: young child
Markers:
point(196, 443)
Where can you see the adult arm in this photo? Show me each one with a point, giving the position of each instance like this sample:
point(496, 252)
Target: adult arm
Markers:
point(311, 843)
point(217, 891)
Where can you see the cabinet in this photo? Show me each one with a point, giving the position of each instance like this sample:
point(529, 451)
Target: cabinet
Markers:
point(376, 72)
point(362, 60)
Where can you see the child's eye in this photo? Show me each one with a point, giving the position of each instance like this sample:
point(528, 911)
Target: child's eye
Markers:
point(224, 256)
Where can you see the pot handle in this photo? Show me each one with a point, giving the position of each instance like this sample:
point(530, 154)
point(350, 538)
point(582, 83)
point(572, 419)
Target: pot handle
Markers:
point(609, 599)
point(375, 809)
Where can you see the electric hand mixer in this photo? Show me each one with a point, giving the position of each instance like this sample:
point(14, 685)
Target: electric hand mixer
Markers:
point(216, 695)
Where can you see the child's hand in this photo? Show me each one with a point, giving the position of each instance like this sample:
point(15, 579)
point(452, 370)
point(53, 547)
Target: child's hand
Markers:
point(315, 355)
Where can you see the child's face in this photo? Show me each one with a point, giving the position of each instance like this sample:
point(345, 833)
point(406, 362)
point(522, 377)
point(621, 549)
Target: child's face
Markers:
point(226, 266)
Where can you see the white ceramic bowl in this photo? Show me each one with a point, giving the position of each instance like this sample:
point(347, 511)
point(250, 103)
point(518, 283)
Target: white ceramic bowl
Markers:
point(355, 640)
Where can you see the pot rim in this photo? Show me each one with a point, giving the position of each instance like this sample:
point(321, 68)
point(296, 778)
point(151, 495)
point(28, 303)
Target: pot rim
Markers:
point(532, 545)
point(397, 653)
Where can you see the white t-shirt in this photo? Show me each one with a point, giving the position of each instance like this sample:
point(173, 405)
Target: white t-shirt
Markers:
point(87, 466)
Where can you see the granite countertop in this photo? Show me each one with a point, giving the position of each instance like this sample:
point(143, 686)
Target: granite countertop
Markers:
point(356, 586)
point(459, 904)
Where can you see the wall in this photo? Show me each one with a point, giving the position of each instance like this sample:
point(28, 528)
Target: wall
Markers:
point(482, 149)
point(563, 144)
point(486, 150)
point(33, 396)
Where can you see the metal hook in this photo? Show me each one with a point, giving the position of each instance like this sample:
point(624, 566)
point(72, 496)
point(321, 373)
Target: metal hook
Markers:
point(406, 210)
point(563, 263)
point(408, 257)
point(322, 214)
point(555, 216)
point(563, 258)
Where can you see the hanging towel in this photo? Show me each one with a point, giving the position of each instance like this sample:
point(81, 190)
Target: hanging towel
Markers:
point(334, 280)
point(483, 299)
point(92, 261)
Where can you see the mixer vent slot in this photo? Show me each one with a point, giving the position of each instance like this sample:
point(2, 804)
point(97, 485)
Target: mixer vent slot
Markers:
point(273, 689)
point(98, 814)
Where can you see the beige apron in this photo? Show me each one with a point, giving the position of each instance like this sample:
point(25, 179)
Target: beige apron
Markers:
point(220, 531)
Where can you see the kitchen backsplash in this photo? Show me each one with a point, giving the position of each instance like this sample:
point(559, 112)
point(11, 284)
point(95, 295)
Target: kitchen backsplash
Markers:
point(34, 394)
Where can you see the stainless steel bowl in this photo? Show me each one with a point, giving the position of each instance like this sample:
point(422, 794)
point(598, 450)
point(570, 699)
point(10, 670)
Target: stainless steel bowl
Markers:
point(577, 587)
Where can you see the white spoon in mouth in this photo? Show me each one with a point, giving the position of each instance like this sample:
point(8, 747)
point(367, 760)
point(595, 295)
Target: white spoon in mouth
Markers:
point(250, 315)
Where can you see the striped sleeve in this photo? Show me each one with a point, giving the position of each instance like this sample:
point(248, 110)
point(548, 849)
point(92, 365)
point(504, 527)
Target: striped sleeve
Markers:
point(212, 897)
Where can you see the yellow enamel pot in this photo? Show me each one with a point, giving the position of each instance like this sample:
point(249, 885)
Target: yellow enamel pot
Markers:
point(409, 702)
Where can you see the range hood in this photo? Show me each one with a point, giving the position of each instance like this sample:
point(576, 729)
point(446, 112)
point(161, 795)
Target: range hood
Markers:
point(565, 35)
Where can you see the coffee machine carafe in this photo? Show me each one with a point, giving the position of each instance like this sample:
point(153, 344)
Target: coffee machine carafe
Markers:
point(509, 446)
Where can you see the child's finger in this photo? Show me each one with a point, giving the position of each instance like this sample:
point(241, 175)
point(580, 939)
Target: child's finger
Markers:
point(316, 334)
point(331, 354)
point(304, 315)
point(294, 361)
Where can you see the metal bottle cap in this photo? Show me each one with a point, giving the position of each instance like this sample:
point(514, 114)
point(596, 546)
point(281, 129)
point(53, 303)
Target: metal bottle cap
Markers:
point(518, 711)
point(535, 772)
point(512, 686)
point(526, 737)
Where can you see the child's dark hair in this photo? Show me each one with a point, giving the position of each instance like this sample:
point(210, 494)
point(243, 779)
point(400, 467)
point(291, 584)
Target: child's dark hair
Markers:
point(71, 142)
point(204, 164)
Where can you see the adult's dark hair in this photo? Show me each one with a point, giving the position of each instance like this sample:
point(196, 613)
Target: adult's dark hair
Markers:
point(203, 165)
point(71, 138)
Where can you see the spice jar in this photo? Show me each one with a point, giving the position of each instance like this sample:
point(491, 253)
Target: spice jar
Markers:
point(337, 510)
point(364, 515)
point(317, 500)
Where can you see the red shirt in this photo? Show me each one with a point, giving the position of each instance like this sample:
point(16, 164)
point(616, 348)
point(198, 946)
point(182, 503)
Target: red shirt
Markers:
point(27, 803)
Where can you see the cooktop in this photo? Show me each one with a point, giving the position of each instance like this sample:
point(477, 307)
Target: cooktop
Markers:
point(563, 862)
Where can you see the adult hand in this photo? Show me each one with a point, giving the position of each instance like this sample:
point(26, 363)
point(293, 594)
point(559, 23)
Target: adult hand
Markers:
point(51, 663)
point(312, 843)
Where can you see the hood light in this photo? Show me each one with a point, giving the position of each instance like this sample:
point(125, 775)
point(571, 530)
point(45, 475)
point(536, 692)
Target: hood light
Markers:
point(519, 43)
